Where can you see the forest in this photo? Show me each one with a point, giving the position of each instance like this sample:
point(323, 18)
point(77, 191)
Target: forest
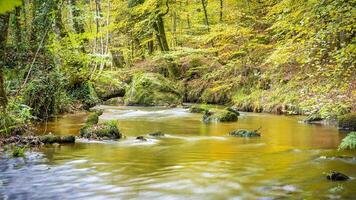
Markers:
point(220, 59)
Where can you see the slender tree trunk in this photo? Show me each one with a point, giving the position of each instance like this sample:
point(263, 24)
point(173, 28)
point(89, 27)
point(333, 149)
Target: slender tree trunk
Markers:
point(221, 10)
point(4, 25)
point(17, 27)
point(204, 5)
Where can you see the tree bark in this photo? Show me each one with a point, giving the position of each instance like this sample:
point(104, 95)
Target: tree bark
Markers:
point(4, 25)
point(17, 27)
point(204, 5)
point(160, 30)
point(221, 10)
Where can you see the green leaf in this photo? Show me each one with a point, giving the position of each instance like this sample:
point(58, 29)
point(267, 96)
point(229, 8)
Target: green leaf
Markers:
point(8, 5)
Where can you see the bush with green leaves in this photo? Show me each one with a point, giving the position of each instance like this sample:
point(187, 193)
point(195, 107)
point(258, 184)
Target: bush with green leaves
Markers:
point(46, 95)
point(15, 117)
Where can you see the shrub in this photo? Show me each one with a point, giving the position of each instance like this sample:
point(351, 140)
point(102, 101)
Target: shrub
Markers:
point(46, 95)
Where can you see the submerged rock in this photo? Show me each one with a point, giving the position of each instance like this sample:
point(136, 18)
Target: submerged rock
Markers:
point(347, 122)
point(157, 134)
point(149, 89)
point(245, 133)
point(337, 176)
point(107, 130)
point(141, 138)
point(220, 116)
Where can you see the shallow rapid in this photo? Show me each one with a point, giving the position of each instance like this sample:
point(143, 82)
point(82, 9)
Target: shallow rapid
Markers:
point(193, 160)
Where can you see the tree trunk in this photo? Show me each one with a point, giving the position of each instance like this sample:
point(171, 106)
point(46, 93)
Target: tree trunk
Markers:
point(17, 27)
point(221, 10)
point(204, 5)
point(4, 25)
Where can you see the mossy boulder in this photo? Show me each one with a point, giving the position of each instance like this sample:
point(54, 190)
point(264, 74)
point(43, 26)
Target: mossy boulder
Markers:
point(220, 116)
point(197, 109)
point(109, 85)
point(107, 130)
point(234, 110)
point(149, 89)
point(244, 133)
point(93, 117)
point(347, 122)
point(50, 139)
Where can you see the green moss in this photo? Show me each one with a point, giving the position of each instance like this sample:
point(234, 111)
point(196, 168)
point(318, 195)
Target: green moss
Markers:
point(198, 108)
point(109, 85)
point(349, 142)
point(150, 89)
point(93, 117)
point(50, 139)
point(107, 130)
point(220, 116)
point(244, 133)
point(348, 122)
point(85, 93)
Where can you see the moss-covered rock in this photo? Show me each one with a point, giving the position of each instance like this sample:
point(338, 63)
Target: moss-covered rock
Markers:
point(107, 130)
point(198, 109)
point(109, 85)
point(234, 110)
point(348, 122)
point(50, 139)
point(245, 133)
point(150, 89)
point(93, 117)
point(220, 116)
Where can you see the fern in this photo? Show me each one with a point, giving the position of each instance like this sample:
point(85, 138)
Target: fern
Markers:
point(349, 142)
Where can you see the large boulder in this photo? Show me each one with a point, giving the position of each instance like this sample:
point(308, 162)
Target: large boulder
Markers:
point(110, 84)
point(149, 89)
point(348, 122)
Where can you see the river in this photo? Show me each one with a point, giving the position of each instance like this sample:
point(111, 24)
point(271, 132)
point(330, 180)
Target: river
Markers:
point(192, 161)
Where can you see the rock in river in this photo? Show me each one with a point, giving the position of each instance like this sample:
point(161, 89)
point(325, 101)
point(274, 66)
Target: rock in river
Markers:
point(337, 176)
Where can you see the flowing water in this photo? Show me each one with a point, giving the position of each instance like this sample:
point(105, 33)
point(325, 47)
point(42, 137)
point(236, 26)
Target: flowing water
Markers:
point(193, 161)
